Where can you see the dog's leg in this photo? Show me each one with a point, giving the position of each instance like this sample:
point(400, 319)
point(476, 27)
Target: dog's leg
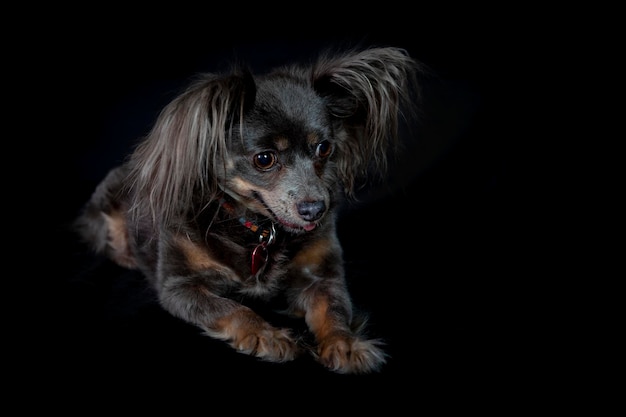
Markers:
point(340, 347)
point(325, 303)
point(227, 320)
point(190, 290)
point(102, 223)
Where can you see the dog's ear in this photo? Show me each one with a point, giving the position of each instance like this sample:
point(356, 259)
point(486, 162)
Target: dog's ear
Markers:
point(367, 91)
point(341, 102)
point(175, 165)
point(243, 87)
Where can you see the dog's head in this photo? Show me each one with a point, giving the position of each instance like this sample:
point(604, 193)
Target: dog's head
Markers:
point(285, 144)
point(280, 154)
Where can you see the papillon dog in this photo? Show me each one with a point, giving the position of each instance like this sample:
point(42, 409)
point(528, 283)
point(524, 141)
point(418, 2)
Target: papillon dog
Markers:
point(233, 196)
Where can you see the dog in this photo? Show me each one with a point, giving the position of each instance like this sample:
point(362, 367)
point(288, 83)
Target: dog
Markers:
point(234, 193)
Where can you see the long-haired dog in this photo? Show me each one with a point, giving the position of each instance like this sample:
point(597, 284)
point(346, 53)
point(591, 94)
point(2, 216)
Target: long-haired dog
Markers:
point(233, 195)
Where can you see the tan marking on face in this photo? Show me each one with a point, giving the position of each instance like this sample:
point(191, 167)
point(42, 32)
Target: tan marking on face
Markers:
point(281, 143)
point(245, 188)
point(312, 138)
point(242, 186)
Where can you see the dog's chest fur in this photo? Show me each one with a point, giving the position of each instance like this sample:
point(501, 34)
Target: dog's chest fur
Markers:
point(231, 244)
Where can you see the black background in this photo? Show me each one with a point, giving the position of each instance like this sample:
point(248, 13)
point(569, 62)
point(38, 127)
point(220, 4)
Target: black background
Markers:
point(435, 260)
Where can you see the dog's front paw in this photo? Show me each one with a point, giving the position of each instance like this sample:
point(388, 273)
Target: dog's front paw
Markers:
point(270, 344)
point(346, 353)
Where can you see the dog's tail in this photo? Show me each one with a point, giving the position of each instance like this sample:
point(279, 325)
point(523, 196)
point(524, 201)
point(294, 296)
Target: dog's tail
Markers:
point(102, 222)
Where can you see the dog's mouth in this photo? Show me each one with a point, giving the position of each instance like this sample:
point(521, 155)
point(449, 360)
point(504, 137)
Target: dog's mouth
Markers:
point(296, 228)
point(287, 225)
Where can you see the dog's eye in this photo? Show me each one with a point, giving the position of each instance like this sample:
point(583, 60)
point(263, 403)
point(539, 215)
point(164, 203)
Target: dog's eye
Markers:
point(265, 160)
point(324, 148)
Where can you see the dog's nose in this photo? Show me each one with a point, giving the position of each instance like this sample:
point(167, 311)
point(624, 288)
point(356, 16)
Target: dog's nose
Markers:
point(311, 210)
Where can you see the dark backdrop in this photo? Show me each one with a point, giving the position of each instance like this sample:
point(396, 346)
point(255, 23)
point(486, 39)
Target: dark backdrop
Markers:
point(431, 259)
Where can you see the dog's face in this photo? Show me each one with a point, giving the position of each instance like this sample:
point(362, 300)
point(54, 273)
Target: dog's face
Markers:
point(286, 144)
point(280, 156)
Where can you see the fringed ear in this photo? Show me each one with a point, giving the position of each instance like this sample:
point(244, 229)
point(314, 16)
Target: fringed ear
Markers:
point(175, 164)
point(245, 88)
point(367, 92)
